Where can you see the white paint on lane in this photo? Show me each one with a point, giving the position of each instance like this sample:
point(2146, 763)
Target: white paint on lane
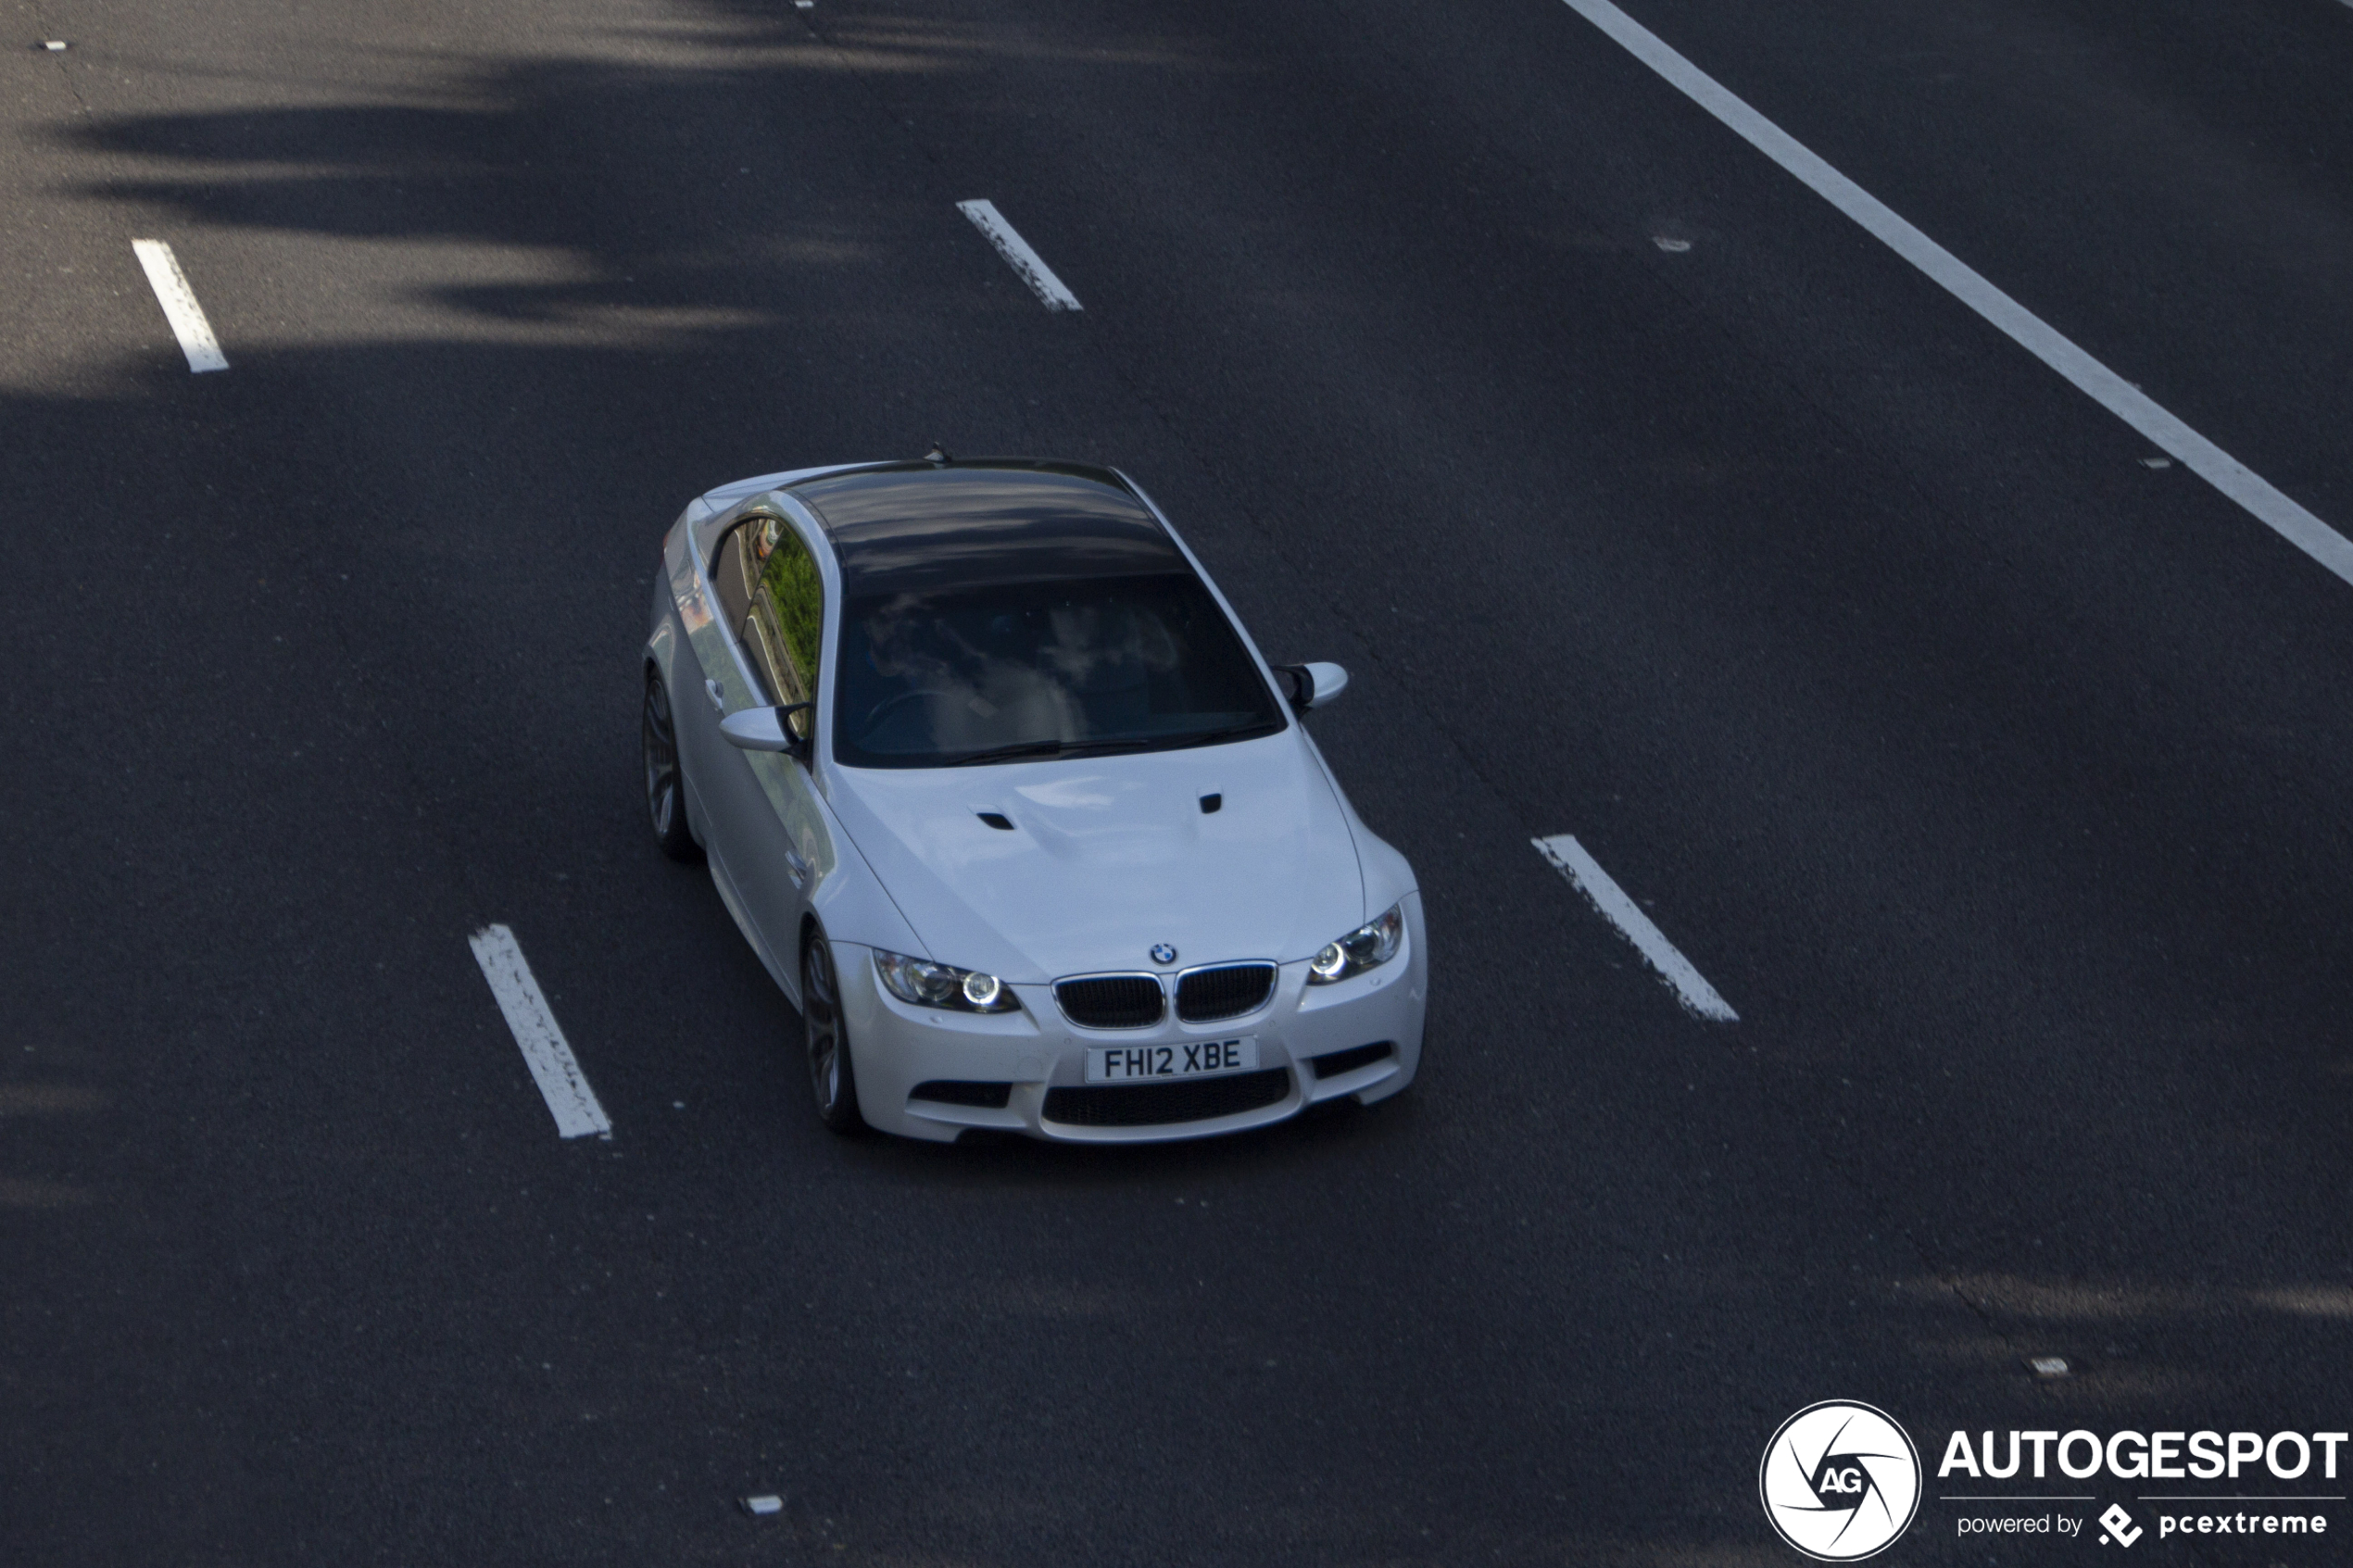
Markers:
point(1585, 873)
point(2104, 386)
point(545, 1051)
point(179, 307)
point(1018, 255)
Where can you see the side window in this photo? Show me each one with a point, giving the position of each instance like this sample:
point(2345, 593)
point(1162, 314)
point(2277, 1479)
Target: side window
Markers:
point(776, 607)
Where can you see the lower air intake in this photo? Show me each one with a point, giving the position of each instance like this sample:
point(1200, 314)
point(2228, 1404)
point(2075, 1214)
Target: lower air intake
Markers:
point(964, 1091)
point(1331, 1064)
point(1158, 1105)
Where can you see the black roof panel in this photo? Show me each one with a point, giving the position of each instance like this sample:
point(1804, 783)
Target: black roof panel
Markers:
point(917, 527)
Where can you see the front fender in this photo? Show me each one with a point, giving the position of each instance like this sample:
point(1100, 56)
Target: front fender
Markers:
point(851, 902)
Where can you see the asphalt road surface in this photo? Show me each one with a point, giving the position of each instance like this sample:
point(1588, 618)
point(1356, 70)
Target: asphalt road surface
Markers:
point(1995, 774)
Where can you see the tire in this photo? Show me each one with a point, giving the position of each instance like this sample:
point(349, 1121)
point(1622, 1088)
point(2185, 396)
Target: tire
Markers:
point(825, 1040)
point(665, 775)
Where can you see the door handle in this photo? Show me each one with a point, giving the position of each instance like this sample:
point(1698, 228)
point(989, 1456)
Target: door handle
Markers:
point(718, 703)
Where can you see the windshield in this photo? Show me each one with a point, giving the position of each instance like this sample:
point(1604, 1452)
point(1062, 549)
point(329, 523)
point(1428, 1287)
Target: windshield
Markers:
point(1090, 666)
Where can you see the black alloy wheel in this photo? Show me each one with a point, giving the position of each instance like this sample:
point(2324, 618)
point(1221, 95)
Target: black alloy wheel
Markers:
point(665, 782)
point(827, 1038)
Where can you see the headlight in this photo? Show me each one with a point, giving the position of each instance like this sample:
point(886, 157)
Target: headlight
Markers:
point(941, 986)
point(1368, 947)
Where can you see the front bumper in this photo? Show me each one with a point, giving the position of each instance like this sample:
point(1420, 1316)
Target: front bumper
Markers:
point(896, 1049)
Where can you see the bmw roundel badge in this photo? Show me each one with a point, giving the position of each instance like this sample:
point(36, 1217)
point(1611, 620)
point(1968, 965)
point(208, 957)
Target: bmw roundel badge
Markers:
point(1164, 953)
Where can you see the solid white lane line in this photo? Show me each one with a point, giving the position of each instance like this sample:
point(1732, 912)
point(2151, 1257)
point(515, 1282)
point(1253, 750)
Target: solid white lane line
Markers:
point(553, 1068)
point(1570, 857)
point(179, 307)
point(2104, 386)
point(1018, 255)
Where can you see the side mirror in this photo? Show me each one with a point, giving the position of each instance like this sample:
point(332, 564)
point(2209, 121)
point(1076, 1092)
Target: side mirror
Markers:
point(770, 729)
point(1313, 685)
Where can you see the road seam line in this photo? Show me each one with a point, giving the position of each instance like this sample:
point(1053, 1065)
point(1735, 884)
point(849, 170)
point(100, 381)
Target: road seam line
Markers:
point(545, 1051)
point(179, 307)
point(1586, 875)
point(1033, 271)
point(2030, 331)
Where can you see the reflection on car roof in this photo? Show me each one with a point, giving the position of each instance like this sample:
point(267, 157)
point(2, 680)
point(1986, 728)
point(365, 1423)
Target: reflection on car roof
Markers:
point(921, 527)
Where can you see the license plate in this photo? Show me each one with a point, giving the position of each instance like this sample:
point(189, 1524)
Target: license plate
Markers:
point(1178, 1058)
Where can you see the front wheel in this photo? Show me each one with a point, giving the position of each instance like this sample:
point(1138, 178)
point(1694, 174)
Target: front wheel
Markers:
point(665, 781)
point(826, 1039)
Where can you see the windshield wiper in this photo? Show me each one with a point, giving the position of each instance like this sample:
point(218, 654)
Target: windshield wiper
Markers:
point(1042, 749)
point(1209, 737)
point(1104, 747)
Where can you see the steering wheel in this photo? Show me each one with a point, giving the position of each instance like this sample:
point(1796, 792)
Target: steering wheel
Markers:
point(887, 704)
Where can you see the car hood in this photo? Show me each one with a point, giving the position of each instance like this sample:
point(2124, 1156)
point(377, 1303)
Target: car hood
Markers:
point(1110, 855)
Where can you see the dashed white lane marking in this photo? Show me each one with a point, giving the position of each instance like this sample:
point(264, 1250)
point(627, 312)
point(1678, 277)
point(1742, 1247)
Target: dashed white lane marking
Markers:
point(1018, 255)
point(1570, 857)
point(2104, 386)
point(553, 1067)
point(179, 307)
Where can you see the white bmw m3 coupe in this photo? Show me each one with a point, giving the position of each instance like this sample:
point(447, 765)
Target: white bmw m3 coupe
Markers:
point(1015, 813)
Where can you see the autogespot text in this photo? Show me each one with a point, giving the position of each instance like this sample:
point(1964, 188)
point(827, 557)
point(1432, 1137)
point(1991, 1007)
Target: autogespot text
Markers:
point(2155, 1456)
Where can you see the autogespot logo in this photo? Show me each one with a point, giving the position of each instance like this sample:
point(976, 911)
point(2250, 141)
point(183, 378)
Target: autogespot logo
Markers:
point(1839, 1481)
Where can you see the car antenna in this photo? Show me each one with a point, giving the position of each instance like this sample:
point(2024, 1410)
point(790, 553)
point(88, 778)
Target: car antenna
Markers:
point(939, 456)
